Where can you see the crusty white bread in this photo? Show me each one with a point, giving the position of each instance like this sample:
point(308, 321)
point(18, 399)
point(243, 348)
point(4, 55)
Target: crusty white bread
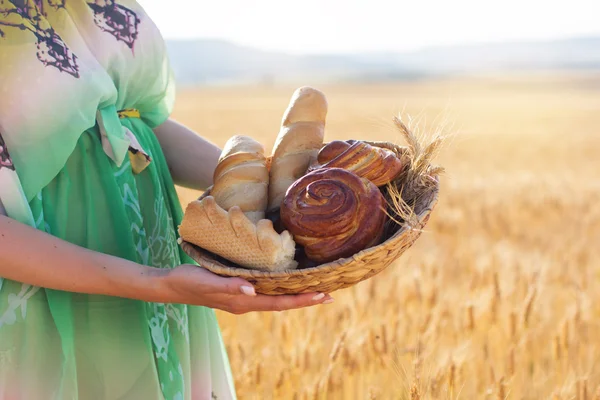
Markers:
point(242, 177)
point(299, 140)
point(231, 235)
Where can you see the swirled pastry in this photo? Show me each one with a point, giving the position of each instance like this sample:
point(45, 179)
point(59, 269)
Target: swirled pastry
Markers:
point(376, 164)
point(333, 213)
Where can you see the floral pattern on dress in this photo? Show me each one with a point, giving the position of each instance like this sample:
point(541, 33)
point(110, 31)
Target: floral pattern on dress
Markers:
point(29, 16)
point(156, 246)
point(119, 21)
point(5, 160)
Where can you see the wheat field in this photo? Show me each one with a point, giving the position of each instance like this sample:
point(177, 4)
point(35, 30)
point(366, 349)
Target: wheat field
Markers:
point(498, 299)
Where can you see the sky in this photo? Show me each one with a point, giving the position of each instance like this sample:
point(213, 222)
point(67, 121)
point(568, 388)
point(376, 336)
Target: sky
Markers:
point(342, 26)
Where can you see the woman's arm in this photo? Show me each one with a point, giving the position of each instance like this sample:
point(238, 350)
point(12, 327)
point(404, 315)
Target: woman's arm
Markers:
point(192, 159)
point(31, 256)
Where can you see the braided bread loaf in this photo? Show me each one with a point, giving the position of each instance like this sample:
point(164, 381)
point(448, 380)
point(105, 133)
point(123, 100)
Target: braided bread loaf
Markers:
point(376, 164)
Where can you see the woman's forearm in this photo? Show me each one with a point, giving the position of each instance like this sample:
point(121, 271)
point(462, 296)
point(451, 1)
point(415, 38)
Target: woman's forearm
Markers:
point(192, 159)
point(31, 256)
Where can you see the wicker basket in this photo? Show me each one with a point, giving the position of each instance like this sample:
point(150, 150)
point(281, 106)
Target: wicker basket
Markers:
point(344, 272)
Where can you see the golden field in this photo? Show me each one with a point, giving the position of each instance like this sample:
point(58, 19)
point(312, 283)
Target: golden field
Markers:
point(499, 298)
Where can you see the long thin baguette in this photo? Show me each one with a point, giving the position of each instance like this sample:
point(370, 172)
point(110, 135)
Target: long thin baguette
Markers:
point(299, 140)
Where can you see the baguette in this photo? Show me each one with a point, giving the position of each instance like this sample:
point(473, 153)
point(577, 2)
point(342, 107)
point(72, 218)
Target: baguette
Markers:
point(298, 143)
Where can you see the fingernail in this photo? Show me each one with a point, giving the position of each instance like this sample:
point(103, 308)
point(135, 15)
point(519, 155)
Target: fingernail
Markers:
point(318, 297)
point(328, 301)
point(248, 290)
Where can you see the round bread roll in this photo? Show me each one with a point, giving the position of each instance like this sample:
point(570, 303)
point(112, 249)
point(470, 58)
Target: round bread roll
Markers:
point(242, 177)
point(333, 213)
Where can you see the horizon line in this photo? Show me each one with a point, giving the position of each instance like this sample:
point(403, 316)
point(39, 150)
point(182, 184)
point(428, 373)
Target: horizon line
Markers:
point(560, 38)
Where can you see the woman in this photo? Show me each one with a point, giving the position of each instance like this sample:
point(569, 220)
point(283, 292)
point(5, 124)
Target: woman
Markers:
point(98, 301)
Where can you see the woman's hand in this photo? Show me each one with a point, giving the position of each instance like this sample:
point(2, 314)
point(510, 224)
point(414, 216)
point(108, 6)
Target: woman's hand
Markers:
point(189, 284)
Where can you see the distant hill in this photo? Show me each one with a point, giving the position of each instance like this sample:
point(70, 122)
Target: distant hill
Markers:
point(213, 62)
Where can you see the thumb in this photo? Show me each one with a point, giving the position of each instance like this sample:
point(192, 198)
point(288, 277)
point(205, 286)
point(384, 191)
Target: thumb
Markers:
point(238, 285)
point(218, 284)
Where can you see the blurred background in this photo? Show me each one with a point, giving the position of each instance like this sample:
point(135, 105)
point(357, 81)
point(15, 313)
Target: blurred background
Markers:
point(500, 297)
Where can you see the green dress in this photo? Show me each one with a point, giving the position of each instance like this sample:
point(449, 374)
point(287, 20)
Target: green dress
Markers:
point(82, 84)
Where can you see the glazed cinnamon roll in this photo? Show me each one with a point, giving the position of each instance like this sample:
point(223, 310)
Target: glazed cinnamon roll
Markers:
point(378, 165)
point(333, 213)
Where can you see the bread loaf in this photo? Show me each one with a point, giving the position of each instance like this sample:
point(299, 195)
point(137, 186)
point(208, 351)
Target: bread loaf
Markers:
point(333, 213)
point(242, 178)
point(298, 142)
point(376, 164)
point(231, 235)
